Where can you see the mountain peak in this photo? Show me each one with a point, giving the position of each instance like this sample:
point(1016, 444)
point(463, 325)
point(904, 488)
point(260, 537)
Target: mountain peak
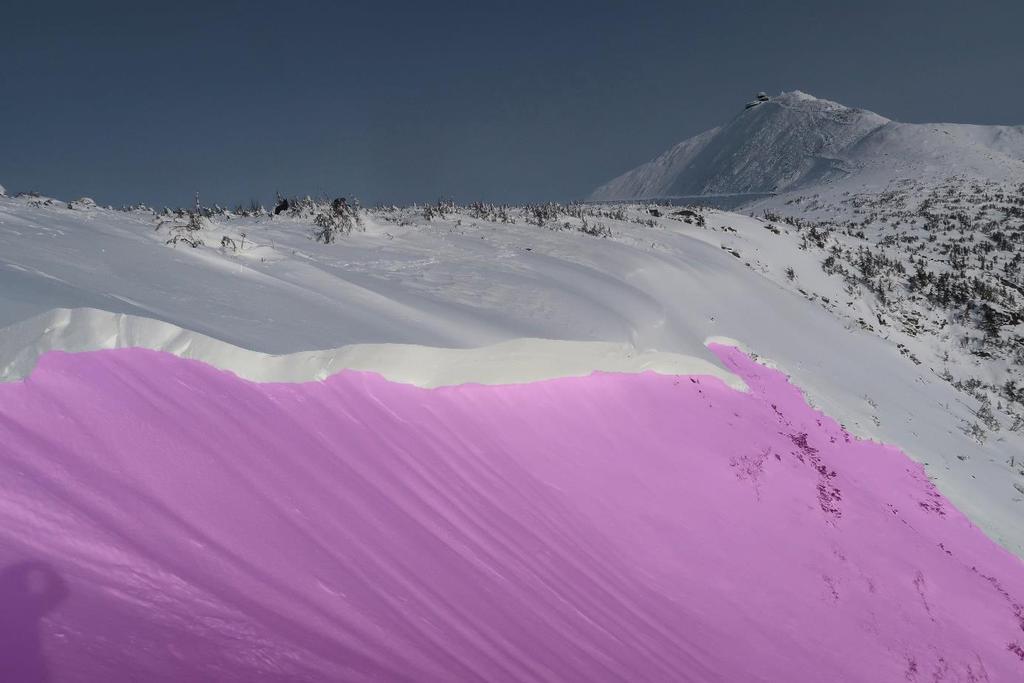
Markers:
point(793, 140)
point(800, 96)
point(802, 101)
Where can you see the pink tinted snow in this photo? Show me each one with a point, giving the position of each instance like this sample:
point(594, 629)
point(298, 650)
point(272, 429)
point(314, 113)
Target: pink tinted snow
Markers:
point(162, 520)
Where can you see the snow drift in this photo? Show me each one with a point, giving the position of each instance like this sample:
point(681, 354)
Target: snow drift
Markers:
point(165, 520)
point(515, 361)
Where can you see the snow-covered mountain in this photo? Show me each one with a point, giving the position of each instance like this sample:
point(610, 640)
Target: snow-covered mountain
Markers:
point(795, 141)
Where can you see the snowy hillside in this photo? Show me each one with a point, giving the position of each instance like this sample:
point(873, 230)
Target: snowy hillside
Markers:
point(466, 279)
point(618, 527)
point(794, 141)
point(912, 232)
point(383, 456)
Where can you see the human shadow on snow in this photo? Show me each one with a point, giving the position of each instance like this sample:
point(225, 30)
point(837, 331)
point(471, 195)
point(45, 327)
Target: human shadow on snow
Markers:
point(28, 591)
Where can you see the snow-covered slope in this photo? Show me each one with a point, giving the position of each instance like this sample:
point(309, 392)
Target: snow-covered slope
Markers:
point(656, 285)
point(166, 521)
point(794, 141)
point(658, 177)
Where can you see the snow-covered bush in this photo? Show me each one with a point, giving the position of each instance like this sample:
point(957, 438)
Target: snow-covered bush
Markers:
point(82, 204)
point(441, 209)
point(489, 212)
point(185, 225)
point(595, 229)
point(255, 208)
point(540, 214)
point(339, 218)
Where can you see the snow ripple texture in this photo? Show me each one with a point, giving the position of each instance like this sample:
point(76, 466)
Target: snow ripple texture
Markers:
point(163, 520)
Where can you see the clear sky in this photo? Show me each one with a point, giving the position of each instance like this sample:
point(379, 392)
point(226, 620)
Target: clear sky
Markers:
point(410, 101)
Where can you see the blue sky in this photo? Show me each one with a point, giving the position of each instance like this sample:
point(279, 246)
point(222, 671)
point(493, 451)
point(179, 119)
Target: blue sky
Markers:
point(401, 101)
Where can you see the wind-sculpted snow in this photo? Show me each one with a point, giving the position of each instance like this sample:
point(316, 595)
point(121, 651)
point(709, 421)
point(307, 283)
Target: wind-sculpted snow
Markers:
point(164, 520)
point(646, 297)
